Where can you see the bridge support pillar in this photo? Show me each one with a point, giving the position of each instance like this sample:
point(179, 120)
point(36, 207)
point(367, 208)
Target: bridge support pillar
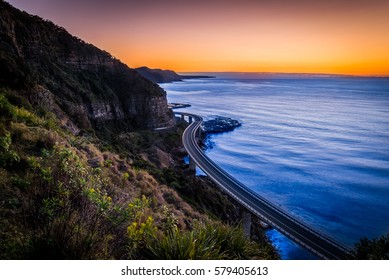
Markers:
point(190, 119)
point(246, 222)
point(199, 133)
point(192, 164)
point(183, 118)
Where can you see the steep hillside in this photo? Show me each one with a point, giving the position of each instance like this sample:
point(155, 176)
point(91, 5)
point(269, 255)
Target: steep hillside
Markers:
point(83, 85)
point(70, 197)
point(82, 173)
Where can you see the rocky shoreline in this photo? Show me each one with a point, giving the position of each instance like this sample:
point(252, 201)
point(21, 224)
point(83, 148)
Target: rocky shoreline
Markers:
point(178, 105)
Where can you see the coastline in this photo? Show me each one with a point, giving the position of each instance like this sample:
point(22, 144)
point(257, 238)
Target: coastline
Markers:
point(252, 203)
point(283, 130)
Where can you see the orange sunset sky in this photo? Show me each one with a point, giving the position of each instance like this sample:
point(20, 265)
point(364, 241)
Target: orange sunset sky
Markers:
point(344, 36)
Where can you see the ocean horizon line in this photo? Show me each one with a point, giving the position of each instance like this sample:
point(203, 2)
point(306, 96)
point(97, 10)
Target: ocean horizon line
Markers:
point(253, 75)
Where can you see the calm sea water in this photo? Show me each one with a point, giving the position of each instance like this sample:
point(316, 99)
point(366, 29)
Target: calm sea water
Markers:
point(317, 147)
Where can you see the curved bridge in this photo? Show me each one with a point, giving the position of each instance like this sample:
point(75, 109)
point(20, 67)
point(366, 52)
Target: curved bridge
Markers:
point(314, 241)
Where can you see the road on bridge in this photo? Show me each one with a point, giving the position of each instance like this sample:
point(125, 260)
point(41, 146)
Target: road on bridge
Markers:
point(315, 242)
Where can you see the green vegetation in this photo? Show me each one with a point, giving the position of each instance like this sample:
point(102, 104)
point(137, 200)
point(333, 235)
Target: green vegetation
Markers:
point(74, 197)
point(211, 241)
point(7, 155)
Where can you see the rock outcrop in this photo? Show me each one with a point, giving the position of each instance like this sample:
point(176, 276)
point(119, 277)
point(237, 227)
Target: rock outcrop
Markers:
point(86, 86)
point(220, 125)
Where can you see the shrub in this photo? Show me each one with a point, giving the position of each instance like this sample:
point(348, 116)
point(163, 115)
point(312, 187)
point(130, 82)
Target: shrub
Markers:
point(6, 109)
point(142, 230)
point(69, 208)
point(210, 241)
point(18, 114)
point(7, 155)
point(179, 245)
point(375, 249)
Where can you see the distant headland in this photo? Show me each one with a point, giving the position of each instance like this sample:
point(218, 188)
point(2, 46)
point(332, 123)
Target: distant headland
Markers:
point(166, 76)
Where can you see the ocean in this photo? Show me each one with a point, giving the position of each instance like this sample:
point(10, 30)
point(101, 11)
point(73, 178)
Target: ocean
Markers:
point(316, 146)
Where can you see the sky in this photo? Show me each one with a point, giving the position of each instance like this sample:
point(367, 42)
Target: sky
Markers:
point(299, 36)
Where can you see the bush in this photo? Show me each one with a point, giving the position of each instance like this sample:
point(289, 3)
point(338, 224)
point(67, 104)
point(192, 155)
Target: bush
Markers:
point(6, 109)
point(204, 242)
point(19, 114)
point(70, 208)
point(375, 249)
point(178, 245)
point(7, 155)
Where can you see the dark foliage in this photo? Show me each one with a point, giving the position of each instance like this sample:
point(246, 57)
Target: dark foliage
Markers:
point(374, 249)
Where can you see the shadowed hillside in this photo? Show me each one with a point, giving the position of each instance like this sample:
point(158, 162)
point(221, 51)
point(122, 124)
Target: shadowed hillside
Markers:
point(83, 85)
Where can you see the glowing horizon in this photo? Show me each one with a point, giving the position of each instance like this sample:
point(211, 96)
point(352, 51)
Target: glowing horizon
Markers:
point(334, 37)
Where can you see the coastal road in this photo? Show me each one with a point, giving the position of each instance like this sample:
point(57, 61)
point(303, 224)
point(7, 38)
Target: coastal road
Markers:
point(317, 243)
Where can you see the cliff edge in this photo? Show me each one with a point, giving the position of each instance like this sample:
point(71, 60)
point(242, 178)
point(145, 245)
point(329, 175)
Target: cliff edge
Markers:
point(83, 85)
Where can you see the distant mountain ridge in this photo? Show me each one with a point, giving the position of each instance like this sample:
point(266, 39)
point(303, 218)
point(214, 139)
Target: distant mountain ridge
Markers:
point(165, 76)
point(158, 75)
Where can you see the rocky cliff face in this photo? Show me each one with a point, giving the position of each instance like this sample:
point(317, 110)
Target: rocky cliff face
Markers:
point(84, 86)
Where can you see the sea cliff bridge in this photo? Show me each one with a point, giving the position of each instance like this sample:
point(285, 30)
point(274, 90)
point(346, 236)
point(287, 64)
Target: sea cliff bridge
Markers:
point(254, 204)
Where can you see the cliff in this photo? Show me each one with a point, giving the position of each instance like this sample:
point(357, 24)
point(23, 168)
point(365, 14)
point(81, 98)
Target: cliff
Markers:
point(83, 85)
